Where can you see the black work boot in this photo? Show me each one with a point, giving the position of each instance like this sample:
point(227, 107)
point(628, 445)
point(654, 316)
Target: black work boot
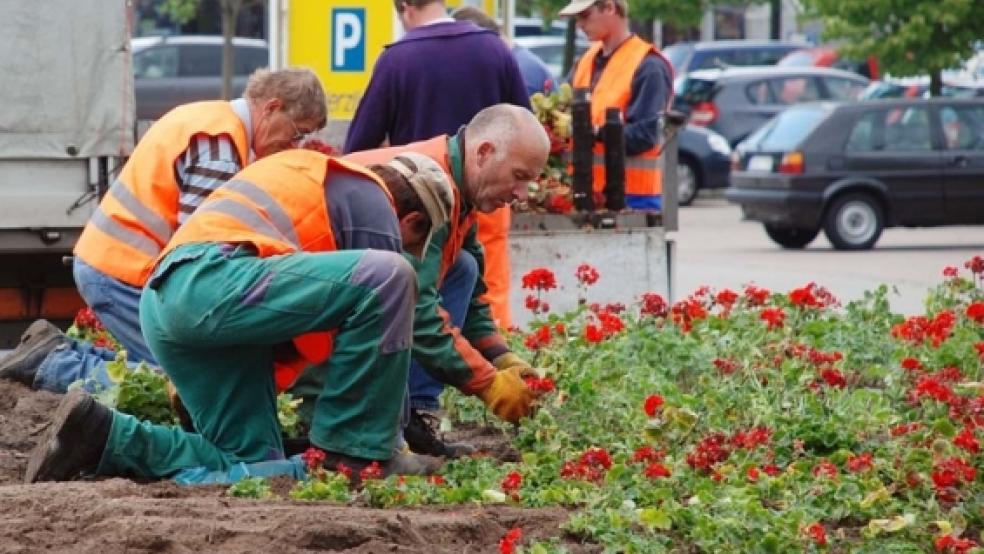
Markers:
point(422, 437)
point(40, 338)
point(73, 443)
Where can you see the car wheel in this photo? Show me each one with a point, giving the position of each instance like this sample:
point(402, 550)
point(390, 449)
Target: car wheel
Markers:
point(791, 237)
point(687, 182)
point(854, 221)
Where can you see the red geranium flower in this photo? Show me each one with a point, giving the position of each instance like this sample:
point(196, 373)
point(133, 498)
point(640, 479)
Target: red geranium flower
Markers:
point(975, 264)
point(911, 364)
point(949, 543)
point(371, 471)
point(774, 317)
point(860, 463)
point(968, 441)
point(652, 404)
point(313, 458)
point(833, 378)
point(507, 545)
point(586, 274)
point(975, 312)
point(756, 296)
point(818, 533)
point(653, 305)
point(949, 271)
point(511, 484)
point(539, 278)
point(825, 469)
point(656, 470)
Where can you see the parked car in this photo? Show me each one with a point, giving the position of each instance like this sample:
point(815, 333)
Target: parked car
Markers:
point(735, 102)
point(174, 70)
point(719, 54)
point(852, 169)
point(918, 87)
point(534, 27)
point(704, 162)
point(550, 49)
point(827, 56)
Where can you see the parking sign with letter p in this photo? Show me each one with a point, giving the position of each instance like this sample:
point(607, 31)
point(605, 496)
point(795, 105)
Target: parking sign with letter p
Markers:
point(348, 39)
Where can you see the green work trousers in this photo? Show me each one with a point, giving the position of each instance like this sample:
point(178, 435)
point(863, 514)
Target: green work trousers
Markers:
point(212, 315)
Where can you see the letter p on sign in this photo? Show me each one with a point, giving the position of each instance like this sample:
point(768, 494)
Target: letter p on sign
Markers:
point(348, 39)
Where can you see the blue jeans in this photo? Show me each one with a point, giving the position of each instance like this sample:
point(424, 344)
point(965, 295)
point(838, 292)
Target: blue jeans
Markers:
point(117, 305)
point(456, 293)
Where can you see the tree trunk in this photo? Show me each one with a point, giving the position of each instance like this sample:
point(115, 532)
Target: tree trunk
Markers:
point(230, 15)
point(775, 19)
point(936, 82)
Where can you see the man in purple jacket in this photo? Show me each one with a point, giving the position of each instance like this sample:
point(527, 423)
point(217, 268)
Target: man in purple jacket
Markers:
point(431, 82)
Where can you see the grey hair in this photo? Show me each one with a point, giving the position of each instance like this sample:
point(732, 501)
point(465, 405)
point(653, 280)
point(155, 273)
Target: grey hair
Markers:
point(299, 89)
point(501, 123)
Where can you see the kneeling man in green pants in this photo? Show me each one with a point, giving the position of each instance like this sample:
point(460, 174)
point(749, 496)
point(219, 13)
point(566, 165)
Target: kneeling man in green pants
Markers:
point(294, 261)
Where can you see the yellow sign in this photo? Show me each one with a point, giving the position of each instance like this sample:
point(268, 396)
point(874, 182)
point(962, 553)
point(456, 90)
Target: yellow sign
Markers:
point(340, 41)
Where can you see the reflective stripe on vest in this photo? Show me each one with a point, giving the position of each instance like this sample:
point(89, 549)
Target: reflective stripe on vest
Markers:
point(139, 214)
point(614, 89)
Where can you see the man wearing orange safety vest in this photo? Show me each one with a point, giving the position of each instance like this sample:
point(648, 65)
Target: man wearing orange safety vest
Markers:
point(625, 72)
point(182, 158)
point(490, 162)
point(293, 247)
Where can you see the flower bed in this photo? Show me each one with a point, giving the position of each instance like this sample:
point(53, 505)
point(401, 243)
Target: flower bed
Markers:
point(732, 421)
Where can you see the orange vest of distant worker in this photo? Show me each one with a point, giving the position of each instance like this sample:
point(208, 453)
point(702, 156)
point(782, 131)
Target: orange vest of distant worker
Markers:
point(278, 206)
point(614, 90)
point(436, 149)
point(139, 213)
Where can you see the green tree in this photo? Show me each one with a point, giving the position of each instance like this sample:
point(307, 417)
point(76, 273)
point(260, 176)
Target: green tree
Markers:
point(909, 37)
point(183, 11)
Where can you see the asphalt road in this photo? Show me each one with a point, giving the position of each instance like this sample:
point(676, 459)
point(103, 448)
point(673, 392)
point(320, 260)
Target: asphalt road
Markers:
point(715, 247)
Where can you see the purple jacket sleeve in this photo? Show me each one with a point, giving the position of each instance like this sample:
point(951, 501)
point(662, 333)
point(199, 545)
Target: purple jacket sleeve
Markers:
point(374, 114)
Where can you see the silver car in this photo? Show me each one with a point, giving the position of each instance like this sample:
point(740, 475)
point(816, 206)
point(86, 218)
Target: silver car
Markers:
point(169, 71)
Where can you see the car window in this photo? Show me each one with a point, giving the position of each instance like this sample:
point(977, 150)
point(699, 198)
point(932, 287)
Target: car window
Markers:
point(677, 54)
point(249, 59)
point(787, 130)
point(551, 54)
point(843, 89)
point(793, 90)
point(759, 93)
point(963, 127)
point(803, 58)
point(892, 130)
point(155, 63)
point(694, 91)
point(200, 60)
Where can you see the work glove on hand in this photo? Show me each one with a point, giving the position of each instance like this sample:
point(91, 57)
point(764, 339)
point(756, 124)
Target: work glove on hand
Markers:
point(507, 395)
point(510, 360)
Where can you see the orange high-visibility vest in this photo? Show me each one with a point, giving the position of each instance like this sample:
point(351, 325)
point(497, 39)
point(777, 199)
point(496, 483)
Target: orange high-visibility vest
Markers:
point(278, 206)
point(493, 228)
point(614, 90)
point(436, 149)
point(139, 213)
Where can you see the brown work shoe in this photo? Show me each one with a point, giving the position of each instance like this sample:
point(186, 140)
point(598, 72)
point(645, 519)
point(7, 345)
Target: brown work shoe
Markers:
point(403, 463)
point(40, 338)
point(421, 434)
point(73, 443)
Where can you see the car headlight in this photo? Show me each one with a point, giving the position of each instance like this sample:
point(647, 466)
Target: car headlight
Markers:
point(719, 144)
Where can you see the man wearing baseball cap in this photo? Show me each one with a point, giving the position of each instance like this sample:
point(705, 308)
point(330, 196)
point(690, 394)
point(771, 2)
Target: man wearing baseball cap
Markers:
point(628, 73)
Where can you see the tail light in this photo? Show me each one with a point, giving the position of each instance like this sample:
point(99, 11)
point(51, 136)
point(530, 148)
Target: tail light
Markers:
point(735, 161)
point(791, 163)
point(703, 114)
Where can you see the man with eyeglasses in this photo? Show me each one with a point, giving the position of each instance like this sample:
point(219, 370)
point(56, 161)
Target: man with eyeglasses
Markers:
point(180, 161)
point(626, 72)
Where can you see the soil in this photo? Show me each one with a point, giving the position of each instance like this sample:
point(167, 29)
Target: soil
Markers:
point(120, 515)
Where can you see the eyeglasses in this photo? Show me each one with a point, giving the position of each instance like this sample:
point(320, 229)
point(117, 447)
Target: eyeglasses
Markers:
point(298, 135)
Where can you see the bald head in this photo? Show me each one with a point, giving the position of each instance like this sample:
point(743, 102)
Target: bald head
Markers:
point(506, 149)
point(505, 123)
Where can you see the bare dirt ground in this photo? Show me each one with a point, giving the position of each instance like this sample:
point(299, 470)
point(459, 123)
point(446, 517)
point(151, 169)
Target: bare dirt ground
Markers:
point(119, 515)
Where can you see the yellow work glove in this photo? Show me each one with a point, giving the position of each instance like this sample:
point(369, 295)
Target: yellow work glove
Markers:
point(510, 360)
point(508, 396)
